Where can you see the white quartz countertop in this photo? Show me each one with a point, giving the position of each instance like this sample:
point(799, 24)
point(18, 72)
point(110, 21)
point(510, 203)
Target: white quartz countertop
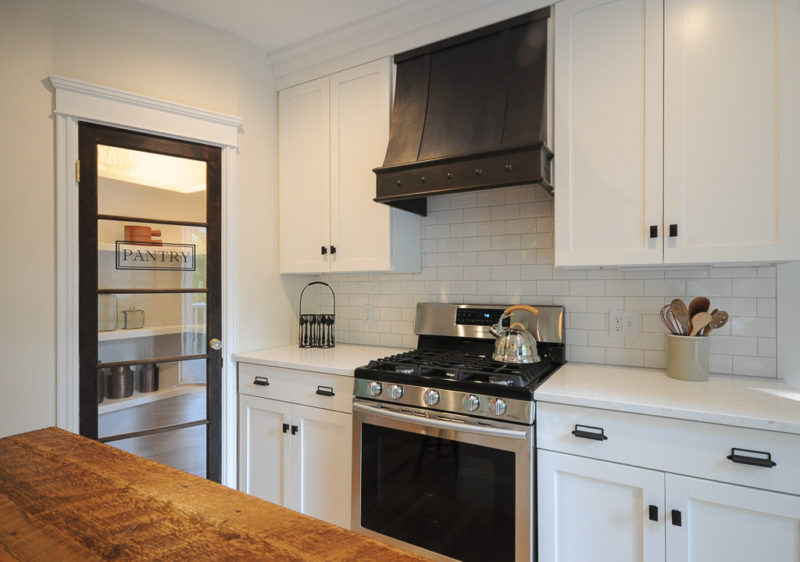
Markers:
point(754, 402)
point(339, 360)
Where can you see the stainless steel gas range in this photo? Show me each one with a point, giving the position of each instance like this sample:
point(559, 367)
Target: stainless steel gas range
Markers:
point(443, 437)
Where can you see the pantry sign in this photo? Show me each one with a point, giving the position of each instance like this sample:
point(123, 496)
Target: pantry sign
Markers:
point(156, 256)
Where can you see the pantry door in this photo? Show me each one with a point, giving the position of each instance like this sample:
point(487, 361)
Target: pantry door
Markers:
point(150, 296)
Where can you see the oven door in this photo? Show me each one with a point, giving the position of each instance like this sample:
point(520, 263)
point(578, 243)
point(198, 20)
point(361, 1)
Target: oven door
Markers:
point(442, 485)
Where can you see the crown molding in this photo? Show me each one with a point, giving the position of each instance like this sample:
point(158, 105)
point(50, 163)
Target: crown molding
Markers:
point(83, 100)
point(405, 27)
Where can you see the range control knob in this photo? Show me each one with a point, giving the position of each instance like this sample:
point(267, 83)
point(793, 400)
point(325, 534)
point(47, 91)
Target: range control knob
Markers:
point(471, 402)
point(396, 391)
point(431, 397)
point(499, 406)
point(375, 388)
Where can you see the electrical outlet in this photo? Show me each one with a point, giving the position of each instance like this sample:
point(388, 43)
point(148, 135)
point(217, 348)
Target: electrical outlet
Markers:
point(367, 313)
point(624, 323)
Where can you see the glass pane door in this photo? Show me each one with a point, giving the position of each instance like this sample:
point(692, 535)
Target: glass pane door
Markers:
point(156, 301)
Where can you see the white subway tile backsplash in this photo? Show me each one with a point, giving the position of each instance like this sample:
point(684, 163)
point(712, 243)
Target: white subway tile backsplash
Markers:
point(759, 287)
point(496, 247)
point(708, 287)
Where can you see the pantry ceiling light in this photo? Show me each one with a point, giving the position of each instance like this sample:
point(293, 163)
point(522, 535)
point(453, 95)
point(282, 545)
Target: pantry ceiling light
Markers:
point(154, 170)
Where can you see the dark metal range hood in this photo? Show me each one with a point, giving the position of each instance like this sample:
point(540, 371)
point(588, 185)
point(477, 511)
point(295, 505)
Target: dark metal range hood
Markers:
point(469, 113)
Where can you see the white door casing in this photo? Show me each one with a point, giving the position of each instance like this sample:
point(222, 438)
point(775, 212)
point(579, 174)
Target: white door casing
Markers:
point(81, 101)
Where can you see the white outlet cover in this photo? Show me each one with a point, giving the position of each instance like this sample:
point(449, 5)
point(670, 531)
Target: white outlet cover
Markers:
point(624, 323)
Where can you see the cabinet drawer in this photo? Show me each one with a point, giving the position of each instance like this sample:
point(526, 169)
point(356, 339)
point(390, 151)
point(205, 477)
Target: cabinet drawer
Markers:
point(300, 387)
point(671, 445)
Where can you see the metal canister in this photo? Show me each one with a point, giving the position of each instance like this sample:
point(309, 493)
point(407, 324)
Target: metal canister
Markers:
point(148, 378)
point(120, 382)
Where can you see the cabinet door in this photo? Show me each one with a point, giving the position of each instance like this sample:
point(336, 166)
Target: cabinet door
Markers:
point(732, 130)
point(608, 127)
point(599, 511)
point(303, 177)
point(322, 461)
point(264, 449)
point(730, 523)
point(360, 112)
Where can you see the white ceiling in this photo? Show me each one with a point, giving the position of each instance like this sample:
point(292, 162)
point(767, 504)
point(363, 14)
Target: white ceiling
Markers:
point(271, 24)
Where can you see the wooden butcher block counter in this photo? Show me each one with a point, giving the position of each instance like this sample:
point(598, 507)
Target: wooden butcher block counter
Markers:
point(65, 497)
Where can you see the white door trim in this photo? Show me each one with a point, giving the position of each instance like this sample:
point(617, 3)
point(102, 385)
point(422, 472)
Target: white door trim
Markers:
point(80, 101)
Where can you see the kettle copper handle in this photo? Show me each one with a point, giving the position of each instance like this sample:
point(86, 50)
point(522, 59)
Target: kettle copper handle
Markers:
point(521, 307)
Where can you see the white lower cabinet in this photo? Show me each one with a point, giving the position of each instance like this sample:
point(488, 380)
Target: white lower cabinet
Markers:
point(594, 510)
point(296, 455)
point(595, 503)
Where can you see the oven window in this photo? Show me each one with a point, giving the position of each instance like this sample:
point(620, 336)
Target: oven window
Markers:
point(453, 498)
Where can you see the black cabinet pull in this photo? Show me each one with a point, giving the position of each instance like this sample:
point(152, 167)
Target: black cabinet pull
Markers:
point(295, 429)
point(653, 231)
point(333, 249)
point(653, 515)
point(673, 230)
point(261, 381)
point(596, 433)
point(676, 517)
point(285, 427)
point(323, 250)
point(764, 460)
point(325, 390)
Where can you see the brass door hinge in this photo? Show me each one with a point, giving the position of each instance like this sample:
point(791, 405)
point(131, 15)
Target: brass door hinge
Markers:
point(78, 171)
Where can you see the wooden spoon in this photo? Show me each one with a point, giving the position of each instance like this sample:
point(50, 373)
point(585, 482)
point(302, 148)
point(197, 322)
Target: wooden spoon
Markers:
point(707, 329)
point(681, 314)
point(700, 321)
point(698, 304)
point(718, 319)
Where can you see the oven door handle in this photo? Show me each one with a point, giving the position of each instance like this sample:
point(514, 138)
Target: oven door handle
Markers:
point(441, 424)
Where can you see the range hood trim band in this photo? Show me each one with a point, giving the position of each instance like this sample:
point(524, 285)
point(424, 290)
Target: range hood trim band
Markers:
point(406, 186)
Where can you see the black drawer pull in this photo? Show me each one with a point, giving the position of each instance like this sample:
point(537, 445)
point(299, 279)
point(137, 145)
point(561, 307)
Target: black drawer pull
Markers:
point(325, 390)
point(653, 515)
point(653, 231)
point(765, 460)
point(596, 433)
point(295, 429)
point(676, 517)
point(261, 381)
point(285, 427)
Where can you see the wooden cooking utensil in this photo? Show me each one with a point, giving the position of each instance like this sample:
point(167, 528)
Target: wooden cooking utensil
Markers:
point(681, 314)
point(698, 304)
point(718, 319)
point(700, 321)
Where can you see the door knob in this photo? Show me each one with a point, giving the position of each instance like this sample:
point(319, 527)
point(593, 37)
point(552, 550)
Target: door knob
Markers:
point(215, 344)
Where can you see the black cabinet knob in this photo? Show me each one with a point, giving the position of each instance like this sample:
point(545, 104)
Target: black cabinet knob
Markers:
point(673, 230)
point(676, 517)
point(333, 249)
point(653, 231)
point(295, 429)
point(653, 513)
point(323, 250)
point(285, 427)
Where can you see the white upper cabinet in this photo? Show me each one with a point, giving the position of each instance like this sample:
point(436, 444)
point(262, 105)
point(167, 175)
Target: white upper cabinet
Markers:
point(675, 122)
point(303, 176)
point(332, 132)
point(608, 127)
point(731, 126)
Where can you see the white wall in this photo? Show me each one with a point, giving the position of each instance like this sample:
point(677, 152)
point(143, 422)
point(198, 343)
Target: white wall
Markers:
point(496, 247)
point(129, 46)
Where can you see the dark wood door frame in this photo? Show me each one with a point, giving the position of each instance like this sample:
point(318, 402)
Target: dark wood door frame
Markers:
point(89, 136)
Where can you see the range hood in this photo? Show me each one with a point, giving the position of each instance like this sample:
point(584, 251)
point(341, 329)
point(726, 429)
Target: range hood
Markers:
point(469, 113)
